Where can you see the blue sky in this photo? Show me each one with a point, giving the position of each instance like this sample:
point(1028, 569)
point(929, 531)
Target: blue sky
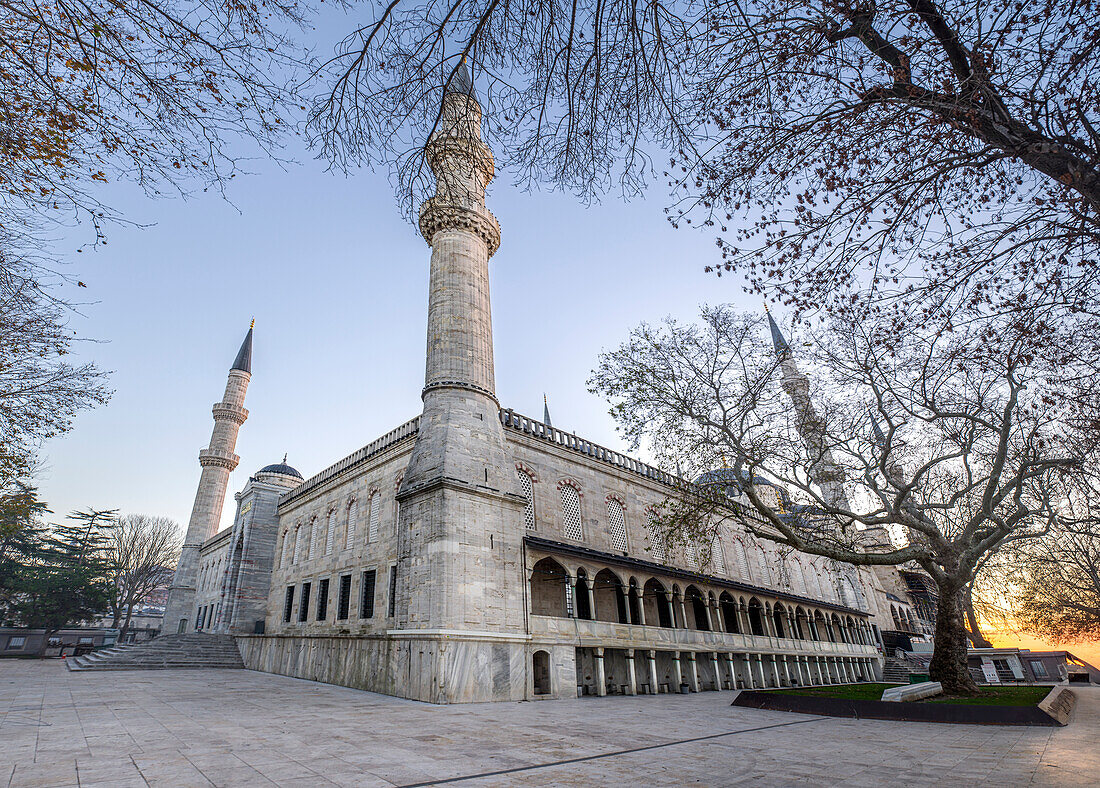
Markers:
point(337, 282)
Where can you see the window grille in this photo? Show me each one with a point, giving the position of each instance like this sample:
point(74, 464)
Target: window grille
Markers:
point(322, 600)
point(798, 580)
point(330, 533)
point(529, 494)
point(288, 605)
point(616, 517)
point(742, 560)
point(353, 518)
point(717, 558)
point(303, 605)
point(691, 555)
point(343, 602)
point(286, 547)
point(571, 512)
point(375, 513)
point(366, 595)
point(297, 542)
point(309, 539)
point(657, 545)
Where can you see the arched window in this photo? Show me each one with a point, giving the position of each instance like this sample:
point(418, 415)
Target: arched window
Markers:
point(765, 569)
point(571, 511)
point(375, 506)
point(286, 548)
point(657, 546)
point(717, 558)
point(528, 493)
point(353, 521)
point(742, 559)
point(798, 580)
point(616, 517)
point(297, 543)
point(330, 532)
point(691, 555)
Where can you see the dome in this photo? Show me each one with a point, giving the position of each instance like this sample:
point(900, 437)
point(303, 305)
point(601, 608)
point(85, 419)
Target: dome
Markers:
point(729, 477)
point(281, 468)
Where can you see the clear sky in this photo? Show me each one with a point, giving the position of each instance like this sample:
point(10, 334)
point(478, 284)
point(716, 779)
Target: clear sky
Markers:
point(337, 282)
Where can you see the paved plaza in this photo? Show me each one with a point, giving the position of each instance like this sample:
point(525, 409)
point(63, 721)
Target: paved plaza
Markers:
point(237, 727)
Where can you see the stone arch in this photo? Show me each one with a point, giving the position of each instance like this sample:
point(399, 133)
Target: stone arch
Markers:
point(523, 467)
point(801, 623)
point(548, 583)
point(728, 607)
point(634, 600)
point(819, 626)
point(581, 600)
point(610, 599)
point(540, 671)
point(779, 620)
point(656, 603)
point(756, 617)
point(695, 608)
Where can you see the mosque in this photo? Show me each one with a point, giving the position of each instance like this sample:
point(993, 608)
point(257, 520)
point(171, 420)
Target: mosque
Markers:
point(477, 554)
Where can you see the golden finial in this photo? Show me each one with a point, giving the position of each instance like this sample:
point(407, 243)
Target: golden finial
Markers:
point(252, 325)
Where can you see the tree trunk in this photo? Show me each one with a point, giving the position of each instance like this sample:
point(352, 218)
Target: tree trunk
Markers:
point(948, 665)
point(976, 635)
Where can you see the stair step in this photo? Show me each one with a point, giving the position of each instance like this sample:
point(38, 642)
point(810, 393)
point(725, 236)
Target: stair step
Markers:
point(165, 652)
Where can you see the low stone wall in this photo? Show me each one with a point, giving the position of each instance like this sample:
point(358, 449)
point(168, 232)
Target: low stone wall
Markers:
point(436, 669)
point(886, 710)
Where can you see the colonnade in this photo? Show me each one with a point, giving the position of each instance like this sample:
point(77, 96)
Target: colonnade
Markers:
point(757, 671)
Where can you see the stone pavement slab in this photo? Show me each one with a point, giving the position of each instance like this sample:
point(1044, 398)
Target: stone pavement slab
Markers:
point(243, 728)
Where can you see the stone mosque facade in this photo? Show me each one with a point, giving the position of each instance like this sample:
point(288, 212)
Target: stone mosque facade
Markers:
point(477, 554)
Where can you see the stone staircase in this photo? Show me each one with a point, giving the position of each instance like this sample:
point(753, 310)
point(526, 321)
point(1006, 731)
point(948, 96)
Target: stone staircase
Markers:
point(895, 671)
point(197, 650)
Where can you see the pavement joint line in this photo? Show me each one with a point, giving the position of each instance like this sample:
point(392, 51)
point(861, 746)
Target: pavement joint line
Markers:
point(598, 756)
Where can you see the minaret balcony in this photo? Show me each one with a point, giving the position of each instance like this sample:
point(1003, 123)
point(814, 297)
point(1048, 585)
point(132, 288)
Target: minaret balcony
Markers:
point(218, 458)
point(223, 411)
point(437, 214)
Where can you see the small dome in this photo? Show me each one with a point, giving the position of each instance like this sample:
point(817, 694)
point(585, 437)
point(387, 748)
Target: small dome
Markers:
point(281, 468)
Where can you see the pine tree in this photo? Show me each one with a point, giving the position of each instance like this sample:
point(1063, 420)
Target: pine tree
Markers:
point(64, 578)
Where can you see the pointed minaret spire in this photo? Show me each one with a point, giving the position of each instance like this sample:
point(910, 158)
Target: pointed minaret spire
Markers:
point(243, 361)
point(880, 437)
point(217, 460)
point(546, 412)
point(782, 349)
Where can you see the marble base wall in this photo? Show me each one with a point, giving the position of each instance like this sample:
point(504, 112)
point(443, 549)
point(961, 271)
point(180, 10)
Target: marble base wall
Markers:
point(435, 669)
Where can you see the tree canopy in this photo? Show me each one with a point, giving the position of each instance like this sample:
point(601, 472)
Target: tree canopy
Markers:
point(934, 156)
point(954, 446)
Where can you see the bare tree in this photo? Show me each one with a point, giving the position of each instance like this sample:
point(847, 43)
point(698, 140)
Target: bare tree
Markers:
point(936, 155)
point(955, 445)
point(143, 553)
point(155, 93)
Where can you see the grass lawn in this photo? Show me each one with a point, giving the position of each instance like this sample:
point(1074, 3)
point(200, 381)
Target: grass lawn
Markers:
point(990, 696)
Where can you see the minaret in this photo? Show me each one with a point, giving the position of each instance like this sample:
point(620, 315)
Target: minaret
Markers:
point(218, 461)
point(824, 470)
point(460, 532)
